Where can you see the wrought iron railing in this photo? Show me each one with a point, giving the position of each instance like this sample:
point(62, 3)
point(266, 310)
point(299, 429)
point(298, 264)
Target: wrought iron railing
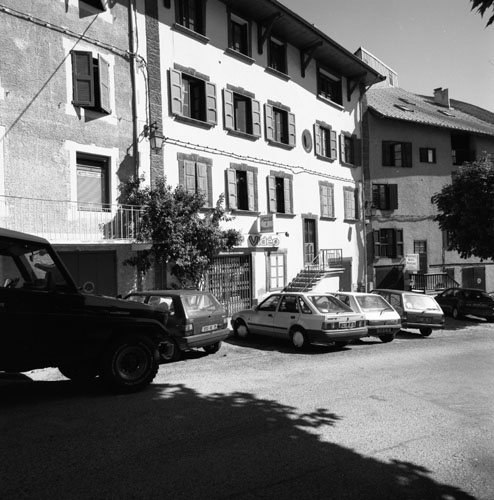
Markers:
point(432, 282)
point(326, 259)
point(69, 221)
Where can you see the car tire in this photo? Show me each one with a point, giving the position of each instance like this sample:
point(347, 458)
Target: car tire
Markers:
point(387, 338)
point(240, 329)
point(130, 363)
point(299, 339)
point(425, 332)
point(169, 351)
point(79, 372)
point(213, 348)
point(455, 313)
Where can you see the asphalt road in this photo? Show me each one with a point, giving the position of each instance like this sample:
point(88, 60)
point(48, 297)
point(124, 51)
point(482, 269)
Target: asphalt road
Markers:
point(412, 419)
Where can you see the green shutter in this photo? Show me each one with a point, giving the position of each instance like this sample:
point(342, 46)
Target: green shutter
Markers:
point(176, 92)
point(231, 187)
point(268, 118)
point(104, 84)
point(317, 140)
point(211, 103)
point(251, 190)
point(256, 118)
point(82, 79)
point(228, 111)
point(334, 145)
point(291, 130)
point(272, 193)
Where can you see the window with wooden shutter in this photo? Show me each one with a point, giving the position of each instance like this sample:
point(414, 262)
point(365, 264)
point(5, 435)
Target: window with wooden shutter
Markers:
point(268, 119)
point(231, 183)
point(190, 176)
point(228, 109)
point(211, 115)
point(317, 140)
point(92, 183)
point(327, 199)
point(291, 130)
point(176, 92)
point(334, 147)
point(272, 202)
point(256, 118)
point(350, 204)
point(396, 154)
point(287, 188)
point(83, 79)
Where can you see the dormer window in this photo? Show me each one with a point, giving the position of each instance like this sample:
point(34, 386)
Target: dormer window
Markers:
point(329, 86)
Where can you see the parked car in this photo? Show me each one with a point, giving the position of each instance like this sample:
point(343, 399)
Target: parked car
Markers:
point(417, 310)
point(47, 322)
point(383, 321)
point(194, 319)
point(302, 318)
point(461, 301)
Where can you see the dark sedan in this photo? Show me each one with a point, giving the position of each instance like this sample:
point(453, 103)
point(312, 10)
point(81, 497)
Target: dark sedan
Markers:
point(466, 301)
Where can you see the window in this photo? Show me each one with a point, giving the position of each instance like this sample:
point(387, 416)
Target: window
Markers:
point(280, 193)
point(191, 15)
point(242, 113)
point(195, 175)
point(90, 81)
point(420, 248)
point(241, 183)
point(329, 86)
point(351, 203)
point(325, 141)
point(289, 304)
point(397, 154)
point(349, 149)
point(326, 195)
point(427, 155)
point(276, 270)
point(270, 304)
point(277, 55)
point(388, 243)
point(280, 124)
point(192, 96)
point(239, 35)
point(93, 189)
point(385, 196)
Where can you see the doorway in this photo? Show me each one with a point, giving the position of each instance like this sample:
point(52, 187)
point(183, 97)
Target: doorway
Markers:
point(310, 240)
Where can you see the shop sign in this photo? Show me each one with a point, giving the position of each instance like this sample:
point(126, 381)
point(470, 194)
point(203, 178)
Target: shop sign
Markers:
point(263, 240)
point(412, 262)
point(266, 223)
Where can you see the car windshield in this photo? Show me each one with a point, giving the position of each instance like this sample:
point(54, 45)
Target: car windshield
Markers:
point(200, 303)
point(372, 303)
point(328, 303)
point(420, 302)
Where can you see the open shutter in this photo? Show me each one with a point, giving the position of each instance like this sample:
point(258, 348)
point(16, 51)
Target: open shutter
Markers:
point(386, 150)
point(323, 196)
point(287, 193)
point(399, 242)
point(268, 118)
point(211, 103)
point(228, 109)
point(393, 196)
point(291, 130)
point(231, 186)
point(272, 193)
point(104, 84)
point(202, 179)
point(342, 149)
point(82, 78)
point(356, 196)
point(190, 176)
point(251, 193)
point(256, 118)
point(357, 156)
point(407, 154)
point(317, 139)
point(334, 145)
point(176, 92)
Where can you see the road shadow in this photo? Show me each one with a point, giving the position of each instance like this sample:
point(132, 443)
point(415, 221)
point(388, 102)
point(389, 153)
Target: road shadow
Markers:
point(171, 442)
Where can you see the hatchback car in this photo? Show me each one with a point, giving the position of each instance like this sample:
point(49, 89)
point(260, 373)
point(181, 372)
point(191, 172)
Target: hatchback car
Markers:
point(302, 318)
point(193, 318)
point(416, 310)
point(383, 321)
point(462, 301)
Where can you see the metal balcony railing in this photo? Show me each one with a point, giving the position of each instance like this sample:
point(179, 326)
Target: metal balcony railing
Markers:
point(69, 221)
point(432, 282)
point(326, 259)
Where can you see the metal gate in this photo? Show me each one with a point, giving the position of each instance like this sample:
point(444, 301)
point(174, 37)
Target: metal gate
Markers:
point(229, 279)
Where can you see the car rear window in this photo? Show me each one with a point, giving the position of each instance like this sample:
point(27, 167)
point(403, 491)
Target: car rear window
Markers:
point(328, 303)
point(372, 303)
point(420, 302)
point(201, 303)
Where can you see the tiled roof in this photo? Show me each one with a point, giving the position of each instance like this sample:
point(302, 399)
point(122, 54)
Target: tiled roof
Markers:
point(402, 105)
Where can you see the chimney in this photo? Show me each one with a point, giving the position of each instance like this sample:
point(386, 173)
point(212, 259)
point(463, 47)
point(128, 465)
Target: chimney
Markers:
point(441, 97)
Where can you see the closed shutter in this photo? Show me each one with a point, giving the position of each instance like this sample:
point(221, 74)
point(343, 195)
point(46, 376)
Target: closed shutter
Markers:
point(317, 140)
point(272, 193)
point(268, 117)
point(291, 130)
point(231, 186)
point(386, 153)
point(323, 194)
point(176, 92)
point(202, 179)
point(342, 149)
point(334, 145)
point(228, 109)
point(377, 244)
point(357, 155)
point(393, 196)
point(190, 176)
point(91, 185)
point(211, 103)
point(83, 79)
point(250, 190)
point(399, 242)
point(104, 84)
point(287, 193)
point(256, 118)
point(407, 154)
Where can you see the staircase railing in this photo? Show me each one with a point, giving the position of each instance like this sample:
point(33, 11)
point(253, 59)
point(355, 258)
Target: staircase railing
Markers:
point(327, 258)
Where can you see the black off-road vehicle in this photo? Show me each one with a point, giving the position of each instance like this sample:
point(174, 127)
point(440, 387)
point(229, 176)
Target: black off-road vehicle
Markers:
point(45, 321)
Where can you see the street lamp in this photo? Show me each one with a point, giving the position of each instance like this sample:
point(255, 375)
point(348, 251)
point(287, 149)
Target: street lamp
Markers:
point(155, 137)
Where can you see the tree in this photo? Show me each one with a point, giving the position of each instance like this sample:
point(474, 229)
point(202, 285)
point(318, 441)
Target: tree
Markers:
point(466, 209)
point(482, 7)
point(181, 230)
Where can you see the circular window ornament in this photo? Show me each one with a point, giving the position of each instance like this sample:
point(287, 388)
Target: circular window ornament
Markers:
point(307, 140)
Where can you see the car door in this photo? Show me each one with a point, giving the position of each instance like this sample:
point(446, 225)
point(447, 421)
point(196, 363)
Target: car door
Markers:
point(262, 319)
point(287, 315)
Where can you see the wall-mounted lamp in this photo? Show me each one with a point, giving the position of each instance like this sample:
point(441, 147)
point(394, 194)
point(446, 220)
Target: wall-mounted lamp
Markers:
point(154, 135)
point(370, 209)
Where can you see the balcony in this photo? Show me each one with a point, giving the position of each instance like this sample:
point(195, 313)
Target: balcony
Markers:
point(70, 221)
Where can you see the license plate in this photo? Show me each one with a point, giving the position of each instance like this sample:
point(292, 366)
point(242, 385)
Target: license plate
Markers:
point(209, 328)
point(350, 324)
point(385, 330)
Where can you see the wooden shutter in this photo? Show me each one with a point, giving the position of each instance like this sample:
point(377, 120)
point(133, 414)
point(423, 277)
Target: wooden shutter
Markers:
point(251, 194)
point(407, 154)
point(268, 118)
point(342, 149)
point(190, 176)
point(334, 146)
point(291, 130)
point(272, 193)
point(386, 152)
point(176, 92)
point(231, 187)
point(211, 103)
point(287, 193)
point(377, 244)
point(104, 84)
point(256, 118)
point(399, 242)
point(357, 155)
point(228, 111)
point(324, 198)
point(202, 179)
point(317, 140)
point(83, 79)
point(393, 196)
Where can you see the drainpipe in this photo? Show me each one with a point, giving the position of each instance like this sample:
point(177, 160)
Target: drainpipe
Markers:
point(133, 57)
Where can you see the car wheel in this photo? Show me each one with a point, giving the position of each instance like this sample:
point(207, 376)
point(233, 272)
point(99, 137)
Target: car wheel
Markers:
point(240, 329)
point(425, 331)
point(387, 338)
point(79, 372)
point(455, 313)
point(299, 339)
point(130, 363)
point(211, 349)
point(169, 351)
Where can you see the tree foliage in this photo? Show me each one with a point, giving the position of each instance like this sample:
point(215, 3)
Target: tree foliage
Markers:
point(466, 209)
point(482, 7)
point(181, 230)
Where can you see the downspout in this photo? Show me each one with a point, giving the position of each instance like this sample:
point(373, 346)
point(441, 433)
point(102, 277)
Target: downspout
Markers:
point(133, 69)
